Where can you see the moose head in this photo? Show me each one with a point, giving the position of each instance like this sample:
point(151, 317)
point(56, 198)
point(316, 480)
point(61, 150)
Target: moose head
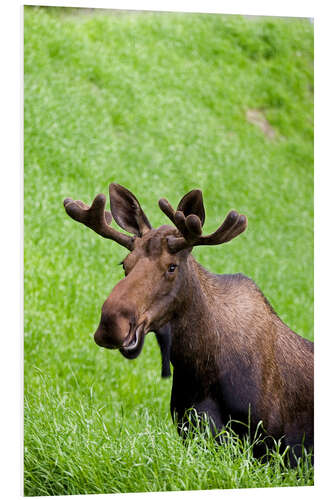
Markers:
point(157, 267)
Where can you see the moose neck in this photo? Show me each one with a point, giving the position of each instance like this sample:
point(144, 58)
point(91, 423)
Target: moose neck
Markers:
point(195, 326)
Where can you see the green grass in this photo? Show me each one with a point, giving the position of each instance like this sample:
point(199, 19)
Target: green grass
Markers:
point(156, 102)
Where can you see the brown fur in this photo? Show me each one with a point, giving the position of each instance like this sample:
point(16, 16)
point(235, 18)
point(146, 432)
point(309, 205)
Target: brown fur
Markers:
point(234, 327)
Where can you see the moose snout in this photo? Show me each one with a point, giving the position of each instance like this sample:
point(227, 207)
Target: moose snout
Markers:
point(114, 328)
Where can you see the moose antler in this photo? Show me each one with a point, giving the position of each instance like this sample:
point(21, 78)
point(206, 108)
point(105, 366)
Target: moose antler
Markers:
point(97, 219)
point(190, 225)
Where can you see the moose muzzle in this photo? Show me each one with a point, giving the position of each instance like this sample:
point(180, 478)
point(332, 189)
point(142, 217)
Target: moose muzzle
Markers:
point(119, 328)
point(112, 331)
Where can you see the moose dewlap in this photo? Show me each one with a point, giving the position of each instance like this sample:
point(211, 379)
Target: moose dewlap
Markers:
point(230, 351)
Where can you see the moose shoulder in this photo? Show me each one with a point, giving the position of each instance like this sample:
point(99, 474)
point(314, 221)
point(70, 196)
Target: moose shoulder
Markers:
point(230, 351)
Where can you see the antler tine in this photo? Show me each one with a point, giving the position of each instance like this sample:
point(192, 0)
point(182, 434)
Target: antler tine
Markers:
point(187, 226)
point(97, 219)
point(233, 225)
point(167, 209)
point(193, 226)
point(176, 217)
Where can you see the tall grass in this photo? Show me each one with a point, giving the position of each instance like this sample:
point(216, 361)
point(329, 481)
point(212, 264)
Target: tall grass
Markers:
point(158, 103)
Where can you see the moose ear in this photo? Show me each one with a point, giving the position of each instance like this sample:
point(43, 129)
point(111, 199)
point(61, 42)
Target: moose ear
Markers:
point(126, 210)
point(192, 203)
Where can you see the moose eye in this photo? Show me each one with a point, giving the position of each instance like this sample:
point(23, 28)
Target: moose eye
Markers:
point(172, 268)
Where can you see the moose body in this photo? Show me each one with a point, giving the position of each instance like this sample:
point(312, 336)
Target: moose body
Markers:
point(249, 361)
point(231, 354)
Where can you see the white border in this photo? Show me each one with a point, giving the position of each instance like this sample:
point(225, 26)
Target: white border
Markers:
point(12, 228)
point(254, 7)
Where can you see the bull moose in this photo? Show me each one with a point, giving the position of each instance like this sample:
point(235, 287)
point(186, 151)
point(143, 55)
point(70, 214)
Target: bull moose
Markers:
point(229, 349)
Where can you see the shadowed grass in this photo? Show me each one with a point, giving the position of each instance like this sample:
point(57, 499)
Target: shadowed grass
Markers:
point(158, 103)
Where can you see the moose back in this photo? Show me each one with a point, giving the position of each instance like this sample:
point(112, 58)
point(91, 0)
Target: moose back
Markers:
point(230, 351)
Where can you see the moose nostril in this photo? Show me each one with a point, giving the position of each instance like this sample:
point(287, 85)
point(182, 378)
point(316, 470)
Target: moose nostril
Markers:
point(113, 330)
point(103, 339)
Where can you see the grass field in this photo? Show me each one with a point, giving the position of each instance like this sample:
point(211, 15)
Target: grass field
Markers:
point(160, 103)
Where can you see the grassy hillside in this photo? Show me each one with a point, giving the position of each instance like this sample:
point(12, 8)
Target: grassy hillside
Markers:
point(160, 103)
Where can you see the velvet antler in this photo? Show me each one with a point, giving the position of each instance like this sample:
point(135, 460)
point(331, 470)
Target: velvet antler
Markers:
point(97, 219)
point(189, 219)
